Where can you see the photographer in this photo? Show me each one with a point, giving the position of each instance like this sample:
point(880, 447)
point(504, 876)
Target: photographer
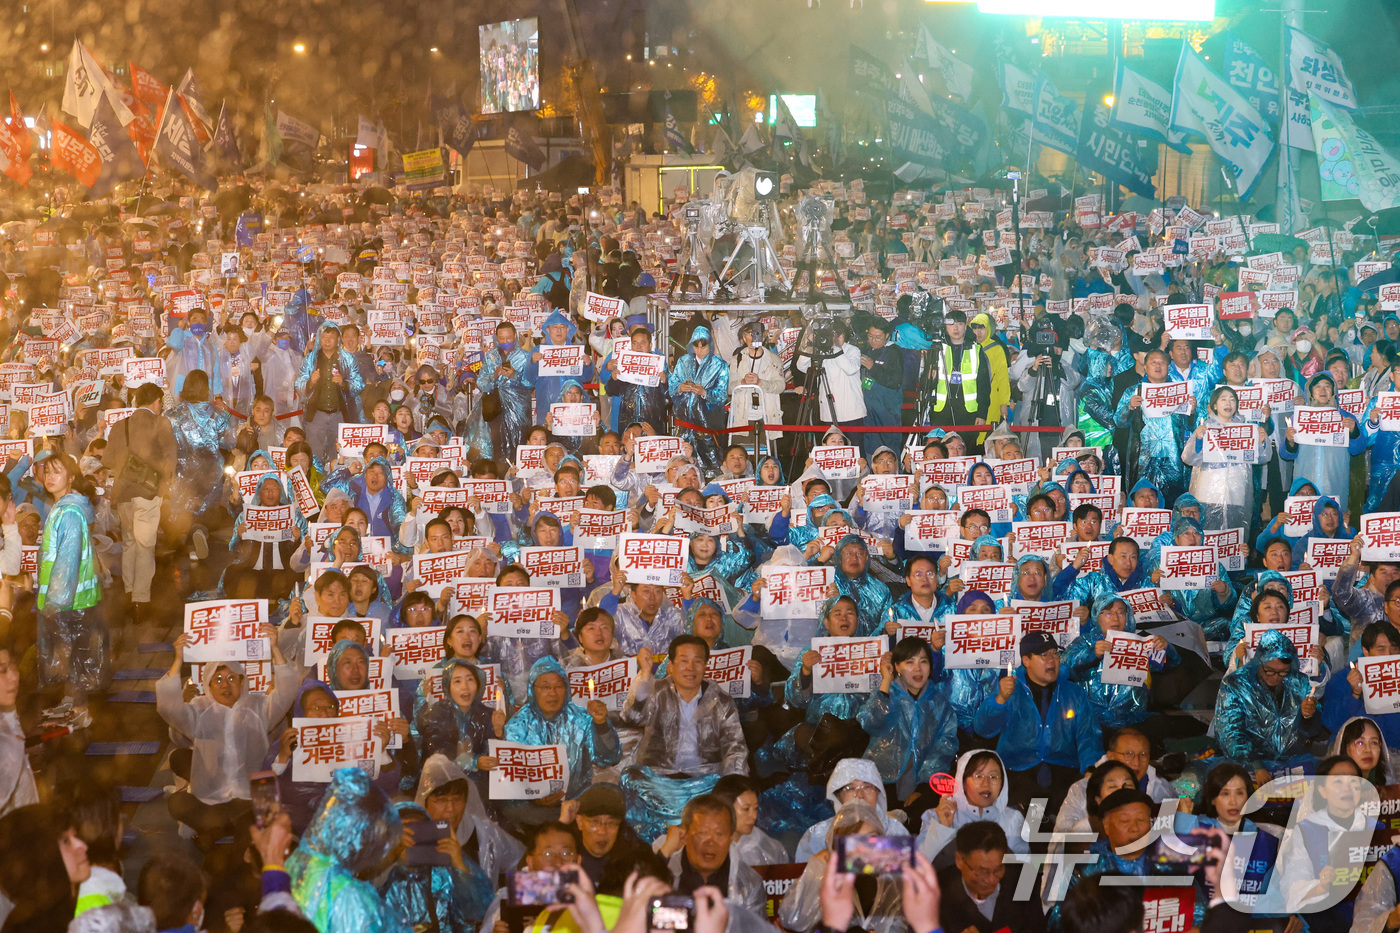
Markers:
point(841, 368)
point(962, 380)
point(1045, 375)
point(756, 381)
point(882, 380)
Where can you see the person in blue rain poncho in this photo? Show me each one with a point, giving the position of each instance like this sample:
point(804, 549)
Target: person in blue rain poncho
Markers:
point(1327, 522)
point(454, 896)
point(572, 392)
point(699, 386)
point(1384, 442)
point(506, 371)
point(1046, 727)
point(1155, 450)
point(913, 729)
point(1118, 705)
point(196, 346)
point(1098, 416)
point(1265, 712)
point(1209, 608)
point(1226, 490)
point(460, 726)
point(264, 569)
point(639, 403)
point(551, 717)
point(354, 830)
point(1273, 531)
point(967, 687)
point(839, 619)
point(297, 319)
point(559, 331)
point(373, 492)
point(1328, 468)
point(1119, 570)
point(851, 559)
point(201, 437)
point(1268, 581)
point(1202, 377)
point(799, 536)
point(72, 635)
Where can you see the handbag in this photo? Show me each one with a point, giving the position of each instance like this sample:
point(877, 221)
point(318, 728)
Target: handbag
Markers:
point(137, 477)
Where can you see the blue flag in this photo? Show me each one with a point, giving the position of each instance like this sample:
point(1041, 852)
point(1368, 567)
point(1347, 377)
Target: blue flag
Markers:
point(674, 139)
point(179, 148)
point(458, 130)
point(520, 144)
point(225, 142)
point(1057, 118)
point(1115, 153)
point(120, 159)
point(1252, 77)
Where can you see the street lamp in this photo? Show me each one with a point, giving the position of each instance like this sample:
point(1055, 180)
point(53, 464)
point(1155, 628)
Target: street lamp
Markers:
point(299, 48)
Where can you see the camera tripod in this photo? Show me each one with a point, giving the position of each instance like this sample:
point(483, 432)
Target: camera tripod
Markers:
point(762, 262)
point(815, 386)
point(693, 267)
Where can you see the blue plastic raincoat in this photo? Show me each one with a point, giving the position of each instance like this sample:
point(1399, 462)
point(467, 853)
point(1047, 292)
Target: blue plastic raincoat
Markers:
point(1118, 705)
point(1067, 735)
point(1157, 453)
point(514, 391)
point(910, 732)
point(872, 597)
point(550, 389)
point(587, 742)
point(349, 371)
point(1204, 607)
point(455, 900)
point(1328, 468)
point(712, 374)
point(201, 436)
point(1257, 725)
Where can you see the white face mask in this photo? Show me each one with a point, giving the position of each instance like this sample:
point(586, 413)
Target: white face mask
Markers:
point(1246, 329)
point(396, 394)
point(1302, 346)
point(248, 331)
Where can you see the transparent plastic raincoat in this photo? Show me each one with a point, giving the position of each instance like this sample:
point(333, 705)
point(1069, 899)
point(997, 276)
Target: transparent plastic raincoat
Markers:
point(800, 908)
point(1204, 607)
point(873, 600)
point(1225, 490)
point(72, 642)
point(354, 829)
point(1256, 725)
point(1118, 705)
point(846, 771)
point(392, 511)
point(1157, 452)
point(712, 374)
point(514, 391)
point(349, 371)
point(201, 437)
point(934, 836)
point(497, 851)
point(588, 743)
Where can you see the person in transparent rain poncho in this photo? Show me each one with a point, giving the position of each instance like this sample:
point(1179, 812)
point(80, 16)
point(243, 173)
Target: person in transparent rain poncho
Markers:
point(1225, 490)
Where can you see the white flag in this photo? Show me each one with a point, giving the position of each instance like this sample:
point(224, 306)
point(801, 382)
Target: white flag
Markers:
point(751, 141)
point(957, 74)
point(298, 131)
point(84, 86)
point(1143, 107)
point(368, 136)
point(1017, 89)
point(1313, 68)
point(1204, 104)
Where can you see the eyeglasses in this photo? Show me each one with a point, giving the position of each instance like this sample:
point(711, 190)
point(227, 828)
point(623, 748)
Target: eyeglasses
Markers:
point(924, 575)
point(219, 679)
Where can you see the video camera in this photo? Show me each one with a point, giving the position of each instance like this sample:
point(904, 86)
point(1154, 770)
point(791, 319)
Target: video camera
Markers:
point(1043, 334)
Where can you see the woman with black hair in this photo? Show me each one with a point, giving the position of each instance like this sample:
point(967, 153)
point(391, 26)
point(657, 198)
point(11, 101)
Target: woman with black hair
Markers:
point(751, 846)
point(1360, 739)
point(42, 862)
point(1221, 804)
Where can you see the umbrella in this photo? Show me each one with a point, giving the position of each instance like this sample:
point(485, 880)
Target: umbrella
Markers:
point(140, 222)
point(376, 194)
point(1138, 204)
point(159, 208)
point(1047, 203)
point(97, 211)
point(1386, 222)
point(1277, 243)
point(1373, 282)
point(233, 201)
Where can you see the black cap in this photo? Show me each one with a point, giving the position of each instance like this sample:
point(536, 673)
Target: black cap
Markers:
point(602, 800)
point(1123, 797)
point(1038, 643)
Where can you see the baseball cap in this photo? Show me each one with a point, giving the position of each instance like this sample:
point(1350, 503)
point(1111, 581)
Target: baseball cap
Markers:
point(1038, 643)
point(602, 800)
point(1124, 797)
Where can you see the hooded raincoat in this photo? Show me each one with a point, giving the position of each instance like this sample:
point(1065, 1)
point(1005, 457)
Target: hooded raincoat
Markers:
point(1259, 725)
point(800, 908)
point(496, 850)
point(514, 391)
point(712, 374)
point(873, 600)
point(1328, 468)
point(934, 836)
point(349, 371)
point(586, 742)
point(201, 436)
point(846, 771)
point(550, 389)
point(354, 829)
point(909, 733)
point(454, 900)
point(1118, 705)
point(1225, 490)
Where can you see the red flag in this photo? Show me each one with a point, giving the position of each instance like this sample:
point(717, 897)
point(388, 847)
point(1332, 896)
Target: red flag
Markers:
point(19, 129)
point(15, 163)
point(75, 155)
point(142, 129)
point(148, 88)
point(201, 132)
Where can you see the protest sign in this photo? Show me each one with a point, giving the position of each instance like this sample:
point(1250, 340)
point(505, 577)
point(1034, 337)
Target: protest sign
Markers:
point(728, 669)
point(379, 704)
point(1056, 617)
point(1319, 427)
point(837, 462)
point(1168, 909)
point(794, 592)
point(982, 642)
point(1380, 536)
point(1380, 684)
point(763, 502)
point(658, 559)
point(326, 745)
point(553, 566)
point(1040, 538)
point(1188, 322)
point(529, 461)
point(638, 368)
point(527, 772)
point(352, 439)
point(302, 495)
point(522, 612)
point(847, 665)
point(416, 651)
point(598, 308)
point(693, 518)
point(560, 361)
point(1298, 518)
point(1127, 659)
point(268, 523)
point(1326, 556)
point(1231, 443)
point(493, 494)
point(470, 595)
point(1165, 398)
point(318, 641)
point(1148, 605)
point(951, 471)
point(138, 371)
point(1279, 394)
point(1020, 472)
point(886, 493)
point(927, 529)
point(652, 453)
point(435, 571)
point(573, 419)
point(996, 501)
point(226, 630)
point(1144, 525)
point(1303, 636)
point(607, 682)
point(597, 530)
point(1229, 547)
point(1188, 568)
point(1304, 586)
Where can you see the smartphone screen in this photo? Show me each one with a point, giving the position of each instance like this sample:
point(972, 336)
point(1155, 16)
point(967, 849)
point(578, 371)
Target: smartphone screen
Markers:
point(875, 855)
point(672, 912)
point(266, 796)
point(424, 850)
point(540, 888)
point(1176, 854)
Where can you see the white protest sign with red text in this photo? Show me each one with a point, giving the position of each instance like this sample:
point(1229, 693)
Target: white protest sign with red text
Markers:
point(226, 630)
point(848, 665)
point(837, 462)
point(522, 612)
point(1165, 398)
point(607, 683)
point(527, 772)
point(978, 641)
point(658, 559)
point(1128, 659)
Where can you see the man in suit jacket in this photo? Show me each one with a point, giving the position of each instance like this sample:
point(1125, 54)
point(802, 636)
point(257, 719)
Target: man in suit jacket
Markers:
point(979, 889)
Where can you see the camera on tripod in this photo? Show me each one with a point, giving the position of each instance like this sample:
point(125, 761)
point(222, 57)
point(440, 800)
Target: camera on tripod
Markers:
point(1043, 334)
point(692, 215)
point(822, 327)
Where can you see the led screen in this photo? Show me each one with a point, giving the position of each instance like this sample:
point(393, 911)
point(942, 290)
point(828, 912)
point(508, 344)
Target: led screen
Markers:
point(510, 66)
point(1156, 10)
point(803, 108)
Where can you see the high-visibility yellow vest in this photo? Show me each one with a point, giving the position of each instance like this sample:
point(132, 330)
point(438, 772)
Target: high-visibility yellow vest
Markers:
point(968, 369)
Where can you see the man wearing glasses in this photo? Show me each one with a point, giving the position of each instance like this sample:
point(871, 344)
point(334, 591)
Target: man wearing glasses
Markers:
point(1265, 712)
point(882, 381)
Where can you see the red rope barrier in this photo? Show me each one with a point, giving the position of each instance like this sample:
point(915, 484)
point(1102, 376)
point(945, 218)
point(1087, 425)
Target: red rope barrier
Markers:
point(868, 429)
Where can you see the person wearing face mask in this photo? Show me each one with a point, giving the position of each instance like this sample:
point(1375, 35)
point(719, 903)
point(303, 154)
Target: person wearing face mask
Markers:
point(195, 347)
point(699, 386)
point(277, 372)
point(235, 369)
